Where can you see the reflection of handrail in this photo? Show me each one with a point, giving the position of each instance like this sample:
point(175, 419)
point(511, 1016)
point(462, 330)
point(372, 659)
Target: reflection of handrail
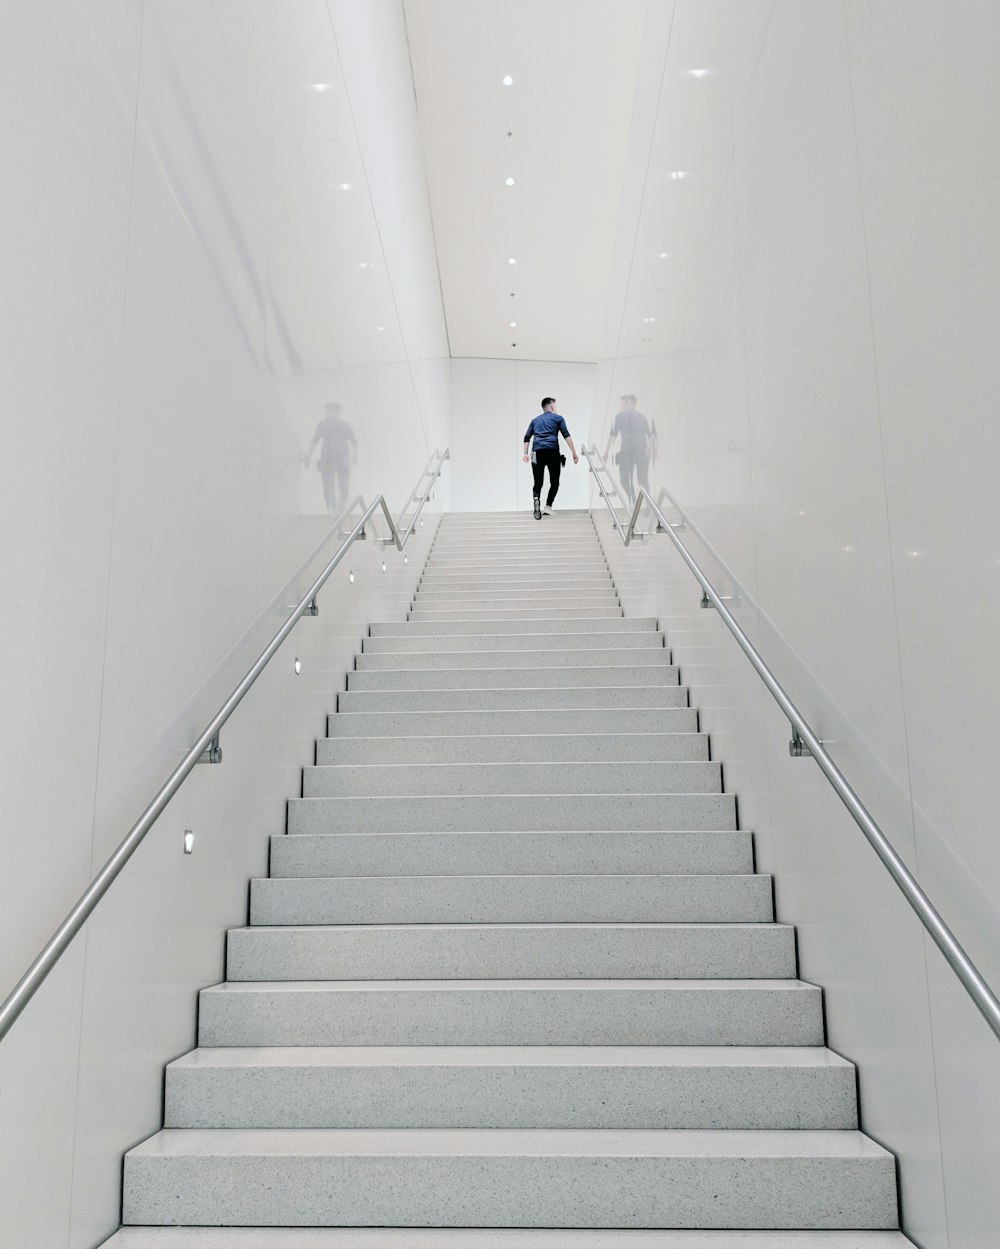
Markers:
point(805, 742)
point(205, 748)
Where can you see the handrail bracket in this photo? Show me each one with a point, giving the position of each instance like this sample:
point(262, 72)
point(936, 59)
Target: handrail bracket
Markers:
point(212, 752)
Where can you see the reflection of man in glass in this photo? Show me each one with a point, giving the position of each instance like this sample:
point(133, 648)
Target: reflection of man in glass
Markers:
point(638, 446)
point(338, 453)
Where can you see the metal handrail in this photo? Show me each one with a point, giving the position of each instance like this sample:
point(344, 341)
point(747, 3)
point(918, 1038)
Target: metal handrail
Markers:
point(808, 743)
point(206, 747)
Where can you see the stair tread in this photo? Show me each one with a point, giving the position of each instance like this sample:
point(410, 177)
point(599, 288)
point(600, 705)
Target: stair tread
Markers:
point(504, 984)
point(693, 1056)
point(488, 1238)
point(512, 1142)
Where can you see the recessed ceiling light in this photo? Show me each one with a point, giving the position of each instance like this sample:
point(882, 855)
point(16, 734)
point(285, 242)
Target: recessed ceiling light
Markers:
point(381, 328)
point(507, 80)
point(510, 181)
point(346, 186)
point(511, 260)
point(664, 255)
point(321, 87)
point(697, 73)
point(513, 325)
point(677, 174)
point(363, 264)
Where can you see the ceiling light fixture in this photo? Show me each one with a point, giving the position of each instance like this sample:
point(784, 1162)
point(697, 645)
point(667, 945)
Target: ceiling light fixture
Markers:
point(510, 181)
point(511, 260)
point(321, 87)
point(677, 174)
point(507, 80)
point(345, 186)
point(698, 73)
point(513, 325)
point(664, 255)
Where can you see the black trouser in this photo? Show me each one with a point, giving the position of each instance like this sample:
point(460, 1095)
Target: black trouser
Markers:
point(547, 457)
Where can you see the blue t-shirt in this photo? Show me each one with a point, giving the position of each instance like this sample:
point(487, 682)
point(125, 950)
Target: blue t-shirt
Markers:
point(546, 429)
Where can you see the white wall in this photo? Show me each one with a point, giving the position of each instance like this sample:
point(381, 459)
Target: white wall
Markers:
point(823, 371)
point(493, 402)
point(184, 291)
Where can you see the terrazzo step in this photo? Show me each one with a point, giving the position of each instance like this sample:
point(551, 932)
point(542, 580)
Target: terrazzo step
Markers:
point(512, 1012)
point(522, 1177)
point(532, 853)
point(443, 660)
point(431, 615)
point(512, 952)
point(502, 582)
point(491, 643)
point(545, 587)
point(653, 1087)
point(352, 780)
point(531, 540)
point(644, 674)
point(511, 748)
point(514, 564)
point(560, 624)
point(530, 601)
point(546, 720)
point(547, 698)
point(564, 548)
point(474, 813)
point(550, 898)
point(488, 1238)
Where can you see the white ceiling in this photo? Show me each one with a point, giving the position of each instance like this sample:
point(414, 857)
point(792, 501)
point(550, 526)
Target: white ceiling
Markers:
point(569, 111)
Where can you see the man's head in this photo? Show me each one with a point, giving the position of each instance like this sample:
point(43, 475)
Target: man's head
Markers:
point(548, 404)
point(628, 401)
point(333, 409)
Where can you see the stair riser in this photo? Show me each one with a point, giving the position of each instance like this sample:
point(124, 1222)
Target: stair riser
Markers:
point(633, 777)
point(510, 678)
point(373, 854)
point(613, 1191)
point(507, 813)
point(512, 900)
point(653, 1014)
point(545, 721)
point(529, 600)
point(607, 643)
point(697, 951)
point(510, 1097)
point(490, 1238)
point(428, 616)
point(548, 699)
point(548, 658)
point(514, 568)
point(528, 749)
point(503, 582)
point(560, 625)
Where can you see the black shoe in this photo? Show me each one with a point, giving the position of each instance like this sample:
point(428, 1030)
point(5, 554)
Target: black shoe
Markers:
point(538, 508)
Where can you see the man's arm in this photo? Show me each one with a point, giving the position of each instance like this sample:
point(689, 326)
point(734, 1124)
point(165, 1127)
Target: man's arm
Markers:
point(525, 450)
point(569, 443)
point(527, 438)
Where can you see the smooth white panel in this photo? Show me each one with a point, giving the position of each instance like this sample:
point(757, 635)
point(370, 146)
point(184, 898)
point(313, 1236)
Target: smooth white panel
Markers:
point(486, 453)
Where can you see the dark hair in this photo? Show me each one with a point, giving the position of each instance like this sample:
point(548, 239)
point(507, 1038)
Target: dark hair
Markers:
point(546, 401)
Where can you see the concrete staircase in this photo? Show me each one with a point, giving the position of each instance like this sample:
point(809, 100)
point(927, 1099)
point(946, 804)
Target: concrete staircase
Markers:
point(512, 982)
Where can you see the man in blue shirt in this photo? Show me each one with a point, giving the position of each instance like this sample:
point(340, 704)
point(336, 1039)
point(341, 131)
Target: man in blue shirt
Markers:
point(545, 430)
